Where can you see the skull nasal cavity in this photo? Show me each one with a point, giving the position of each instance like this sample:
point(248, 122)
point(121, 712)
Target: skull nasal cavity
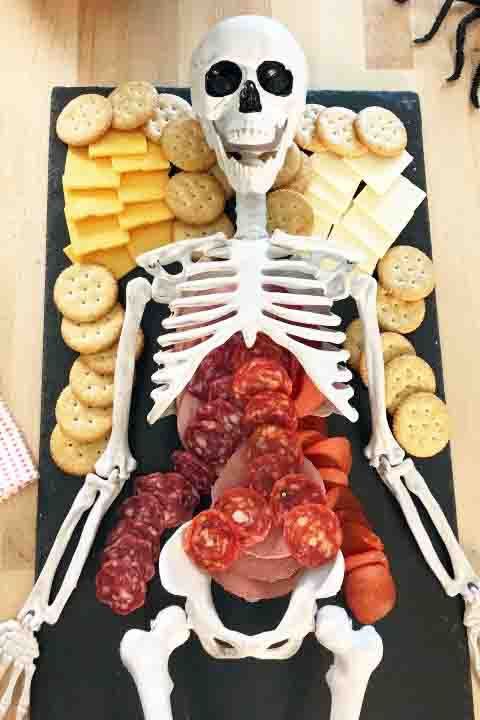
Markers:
point(249, 98)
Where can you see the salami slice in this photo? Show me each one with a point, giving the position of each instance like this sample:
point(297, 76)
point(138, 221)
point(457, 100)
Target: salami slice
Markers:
point(224, 412)
point(221, 387)
point(120, 585)
point(271, 408)
point(174, 492)
point(258, 375)
point(313, 534)
point(249, 512)
point(264, 347)
point(144, 509)
point(194, 470)
point(146, 532)
point(266, 469)
point(137, 549)
point(273, 439)
point(211, 541)
point(292, 490)
point(209, 441)
point(211, 367)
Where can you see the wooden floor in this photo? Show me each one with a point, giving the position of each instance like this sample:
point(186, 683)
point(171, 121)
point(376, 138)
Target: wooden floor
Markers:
point(350, 44)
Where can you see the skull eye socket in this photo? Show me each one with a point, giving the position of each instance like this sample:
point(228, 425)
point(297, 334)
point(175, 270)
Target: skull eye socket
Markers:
point(274, 77)
point(223, 79)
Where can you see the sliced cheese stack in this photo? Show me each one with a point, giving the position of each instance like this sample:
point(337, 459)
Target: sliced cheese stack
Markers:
point(114, 200)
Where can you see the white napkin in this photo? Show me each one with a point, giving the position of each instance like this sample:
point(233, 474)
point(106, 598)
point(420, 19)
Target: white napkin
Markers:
point(16, 466)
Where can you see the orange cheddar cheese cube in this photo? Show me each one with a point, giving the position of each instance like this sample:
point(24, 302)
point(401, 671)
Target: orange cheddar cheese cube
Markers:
point(142, 186)
point(150, 237)
point(145, 213)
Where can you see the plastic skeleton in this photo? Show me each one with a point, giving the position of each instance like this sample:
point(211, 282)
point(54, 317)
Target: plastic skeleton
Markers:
point(248, 88)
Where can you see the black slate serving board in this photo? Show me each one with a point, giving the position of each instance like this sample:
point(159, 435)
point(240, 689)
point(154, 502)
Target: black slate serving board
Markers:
point(424, 673)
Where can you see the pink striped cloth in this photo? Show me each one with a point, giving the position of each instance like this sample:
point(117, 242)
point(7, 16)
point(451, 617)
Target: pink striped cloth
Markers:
point(16, 466)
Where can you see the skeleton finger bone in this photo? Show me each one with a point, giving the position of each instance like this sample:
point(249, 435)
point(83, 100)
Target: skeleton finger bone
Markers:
point(356, 654)
point(146, 655)
point(18, 651)
point(117, 454)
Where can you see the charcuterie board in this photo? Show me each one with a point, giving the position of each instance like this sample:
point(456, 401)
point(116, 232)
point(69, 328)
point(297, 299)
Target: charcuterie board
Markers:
point(425, 670)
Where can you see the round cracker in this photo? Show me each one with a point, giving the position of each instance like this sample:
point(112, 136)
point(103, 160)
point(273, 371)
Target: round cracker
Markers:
point(81, 422)
point(421, 425)
point(103, 362)
point(397, 315)
point(393, 345)
point(381, 131)
point(306, 136)
point(184, 144)
point(183, 231)
point(218, 173)
point(84, 119)
point(335, 128)
point(406, 273)
point(96, 336)
point(405, 375)
point(354, 342)
point(289, 211)
point(133, 104)
point(84, 293)
point(303, 178)
point(73, 457)
point(168, 108)
point(195, 198)
point(291, 167)
point(89, 387)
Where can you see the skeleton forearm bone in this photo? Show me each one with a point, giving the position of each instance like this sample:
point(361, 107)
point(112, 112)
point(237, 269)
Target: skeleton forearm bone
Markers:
point(117, 453)
point(356, 654)
point(382, 442)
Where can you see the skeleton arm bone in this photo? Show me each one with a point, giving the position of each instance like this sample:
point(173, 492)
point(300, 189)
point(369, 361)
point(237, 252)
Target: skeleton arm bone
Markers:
point(382, 442)
point(117, 453)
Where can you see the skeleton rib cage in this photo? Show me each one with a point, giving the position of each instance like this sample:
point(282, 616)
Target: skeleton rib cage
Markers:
point(251, 286)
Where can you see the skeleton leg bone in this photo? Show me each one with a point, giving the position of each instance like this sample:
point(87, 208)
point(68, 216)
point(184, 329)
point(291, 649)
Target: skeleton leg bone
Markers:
point(146, 655)
point(356, 655)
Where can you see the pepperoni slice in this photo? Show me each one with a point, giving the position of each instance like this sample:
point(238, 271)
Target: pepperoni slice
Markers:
point(371, 557)
point(209, 441)
point(194, 470)
point(342, 498)
point(292, 490)
point(296, 372)
point(313, 534)
point(211, 541)
point(144, 509)
point(137, 549)
point(266, 469)
point(353, 516)
point(174, 492)
point(358, 539)
point(272, 439)
point(258, 375)
point(224, 412)
point(221, 387)
point(370, 593)
point(271, 408)
point(249, 512)
point(211, 367)
point(121, 586)
point(147, 532)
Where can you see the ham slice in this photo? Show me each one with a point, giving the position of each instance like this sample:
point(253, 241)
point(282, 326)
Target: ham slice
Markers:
point(254, 590)
point(266, 570)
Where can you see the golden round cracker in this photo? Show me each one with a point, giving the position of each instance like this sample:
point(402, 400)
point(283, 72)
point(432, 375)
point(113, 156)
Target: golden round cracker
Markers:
point(406, 273)
point(393, 345)
point(103, 362)
point(421, 425)
point(336, 130)
point(96, 336)
point(303, 178)
point(73, 457)
point(89, 387)
point(183, 231)
point(218, 173)
point(354, 342)
point(81, 422)
point(290, 167)
point(405, 375)
point(195, 198)
point(84, 293)
point(397, 315)
point(168, 108)
point(381, 131)
point(184, 144)
point(289, 211)
point(133, 104)
point(84, 119)
point(306, 136)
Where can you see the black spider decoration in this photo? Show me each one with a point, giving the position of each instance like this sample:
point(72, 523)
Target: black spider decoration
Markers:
point(460, 43)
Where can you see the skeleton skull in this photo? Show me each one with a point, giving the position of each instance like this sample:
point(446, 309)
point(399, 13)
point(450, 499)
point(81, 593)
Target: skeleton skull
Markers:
point(249, 80)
